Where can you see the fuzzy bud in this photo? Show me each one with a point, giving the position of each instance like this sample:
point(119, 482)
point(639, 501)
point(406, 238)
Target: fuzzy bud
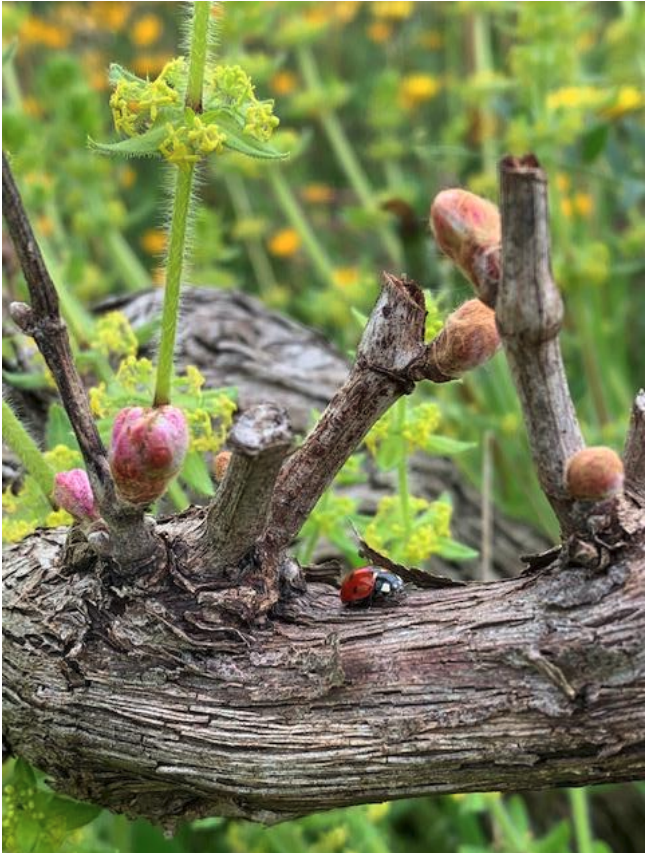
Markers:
point(73, 493)
point(469, 230)
point(594, 474)
point(147, 450)
point(468, 339)
point(220, 464)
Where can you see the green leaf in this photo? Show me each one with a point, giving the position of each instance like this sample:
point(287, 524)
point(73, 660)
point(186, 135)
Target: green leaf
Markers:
point(196, 475)
point(70, 814)
point(441, 445)
point(390, 452)
point(59, 429)
point(557, 841)
point(241, 142)
point(118, 72)
point(451, 550)
point(145, 145)
point(27, 381)
point(593, 142)
point(359, 317)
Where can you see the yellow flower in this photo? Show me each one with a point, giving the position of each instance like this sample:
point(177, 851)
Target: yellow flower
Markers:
point(562, 182)
point(575, 97)
point(15, 531)
point(98, 397)
point(583, 204)
point(62, 458)
point(415, 89)
point(393, 10)
point(345, 11)
point(60, 518)
point(566, 206)
point(379, 31)
point(283, 82)
point(146, 30)
point(346, 276)
point(284, 243)
point(628, 100)
point(318, 193)
point(45, 225)
point(32, 107)
point(127, 177)
point(110, 15)
point(154, 241)
point(114, 335)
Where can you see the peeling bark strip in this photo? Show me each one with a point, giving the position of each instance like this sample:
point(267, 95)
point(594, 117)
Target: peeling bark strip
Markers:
point(635, 451)
point(147, 707)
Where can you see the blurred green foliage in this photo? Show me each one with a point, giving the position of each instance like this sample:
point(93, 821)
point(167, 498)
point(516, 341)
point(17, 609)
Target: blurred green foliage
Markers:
point(382, 105)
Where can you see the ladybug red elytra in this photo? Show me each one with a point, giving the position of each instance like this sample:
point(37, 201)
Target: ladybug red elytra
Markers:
point(368, 584)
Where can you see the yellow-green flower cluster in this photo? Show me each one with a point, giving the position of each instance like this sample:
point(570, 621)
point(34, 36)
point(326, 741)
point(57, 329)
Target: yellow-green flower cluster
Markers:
point(421, 423)
point(114, 335)
point(232, 84)
point(430, 525)
point(209, 426)
point(136, 104)
point(189, 143)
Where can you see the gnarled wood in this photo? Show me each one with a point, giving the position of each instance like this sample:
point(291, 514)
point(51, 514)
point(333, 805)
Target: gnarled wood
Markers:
point(153, 705)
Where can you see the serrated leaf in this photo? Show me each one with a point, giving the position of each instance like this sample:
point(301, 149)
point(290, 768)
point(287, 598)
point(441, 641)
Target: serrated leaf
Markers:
point(441, 445)
point(196, 475)
point(145, 145)
point(238, 141)
point(451, 550)
point(117, 73)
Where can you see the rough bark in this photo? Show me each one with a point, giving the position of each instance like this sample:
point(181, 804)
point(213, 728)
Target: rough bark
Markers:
point(237, 690)
point(155, 704)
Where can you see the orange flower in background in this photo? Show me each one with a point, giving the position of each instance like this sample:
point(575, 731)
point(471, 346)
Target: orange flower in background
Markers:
point(345, 11)
point(110, 15)
point(346, 276)
point(628, 100)
point(154, 241)
point(150, 64)
point(379, 32)
point(396, 10)
point(318, 193)
point(127, 177)
point(35, 31)
point(146, 30)
point(283, 82)
point(284, 243)
point(583, 204)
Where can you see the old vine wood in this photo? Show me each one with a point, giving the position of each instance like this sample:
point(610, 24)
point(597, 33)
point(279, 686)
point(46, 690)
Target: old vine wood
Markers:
point(184, 685)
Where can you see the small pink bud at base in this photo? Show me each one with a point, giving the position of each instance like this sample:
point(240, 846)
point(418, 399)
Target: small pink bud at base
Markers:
point(468, 339)
point(594, 474)
point(468, 229)
point(73, 493)
point(147, 450)
point(220, 464)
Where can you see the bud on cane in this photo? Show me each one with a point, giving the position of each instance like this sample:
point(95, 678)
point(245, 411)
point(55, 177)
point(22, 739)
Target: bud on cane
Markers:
point(468, 339)
point(73, 493)
point(594, 474)
point(147, 450)
point(468, 229)
point(220, 464)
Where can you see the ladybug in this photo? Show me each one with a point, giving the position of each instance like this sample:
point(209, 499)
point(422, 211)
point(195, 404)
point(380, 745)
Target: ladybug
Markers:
point(368, 584)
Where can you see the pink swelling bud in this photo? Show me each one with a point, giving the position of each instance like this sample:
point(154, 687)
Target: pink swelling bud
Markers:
point(147, 449)
point(469, 230)
point(73, 493)
point(594, 474)
point(468, 339)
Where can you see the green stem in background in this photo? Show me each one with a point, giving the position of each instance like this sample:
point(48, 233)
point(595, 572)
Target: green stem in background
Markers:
point(25, 448)
point(309, 545)
point(178, 496)
point(257, 255)
point(174, 267)
point(586, 325)
point(344, 151)
point(198, 54)
point(402, 471)
point(79, 321)
point(298, 220)
point(484, 65)
point(581, 823)
point(517, 842)
point(124, 260)
point(181, 210)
